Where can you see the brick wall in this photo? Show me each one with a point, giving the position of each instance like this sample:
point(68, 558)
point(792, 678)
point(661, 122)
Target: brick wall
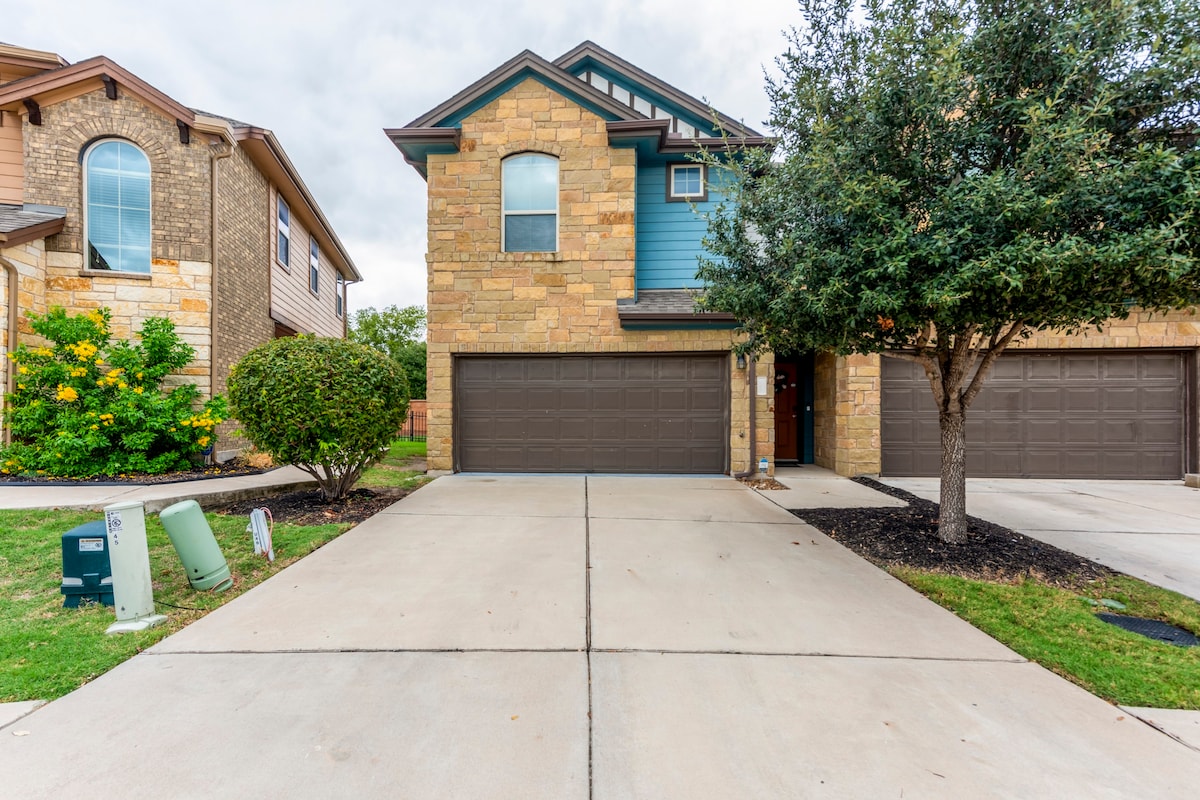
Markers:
point(482, 300)
point(179, 284)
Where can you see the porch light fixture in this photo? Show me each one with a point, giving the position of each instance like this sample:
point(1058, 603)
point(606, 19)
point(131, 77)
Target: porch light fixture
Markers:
point(741, 361)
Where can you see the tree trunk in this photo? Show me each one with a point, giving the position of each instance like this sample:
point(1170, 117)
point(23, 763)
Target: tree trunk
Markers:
point(952, 521)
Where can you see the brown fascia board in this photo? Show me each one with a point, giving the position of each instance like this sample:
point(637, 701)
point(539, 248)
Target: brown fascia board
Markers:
point(420, 136)
point(526, 59)
point(705, 316)
point(264, 149)
point(628, 129)
point(589, 49)
point(13, 93)
point(34, 59)
point(32, 233)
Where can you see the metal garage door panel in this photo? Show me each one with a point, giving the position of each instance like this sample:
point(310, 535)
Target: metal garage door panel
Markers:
point(640, 414)
point(1072, 415)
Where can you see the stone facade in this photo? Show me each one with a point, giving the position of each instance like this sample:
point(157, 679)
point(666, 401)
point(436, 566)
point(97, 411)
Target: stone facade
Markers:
point(847, 396)
point(483, 300)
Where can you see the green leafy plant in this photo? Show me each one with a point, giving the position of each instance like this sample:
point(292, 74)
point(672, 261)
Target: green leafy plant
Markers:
point(85, 405)
point(329, 406)
point(398, 332)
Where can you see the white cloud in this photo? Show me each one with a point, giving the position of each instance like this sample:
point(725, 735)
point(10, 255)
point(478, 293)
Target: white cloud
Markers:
point(328, 77)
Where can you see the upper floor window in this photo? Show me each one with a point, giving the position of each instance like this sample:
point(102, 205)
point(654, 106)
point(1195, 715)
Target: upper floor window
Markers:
point(117, 208)
point(686, 182)
point(340, 301)
point(314, 266)
point(530, 203)
point(285, 235)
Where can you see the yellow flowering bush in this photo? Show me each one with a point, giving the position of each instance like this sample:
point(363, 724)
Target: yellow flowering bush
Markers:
point(87, 405)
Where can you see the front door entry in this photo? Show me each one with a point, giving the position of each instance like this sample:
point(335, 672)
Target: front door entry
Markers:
point(794, 409)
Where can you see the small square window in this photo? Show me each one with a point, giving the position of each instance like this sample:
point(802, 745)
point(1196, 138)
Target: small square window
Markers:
point(686, 182)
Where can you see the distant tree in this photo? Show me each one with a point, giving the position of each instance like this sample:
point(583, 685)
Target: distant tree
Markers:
point(399, 333)
point(953, 175)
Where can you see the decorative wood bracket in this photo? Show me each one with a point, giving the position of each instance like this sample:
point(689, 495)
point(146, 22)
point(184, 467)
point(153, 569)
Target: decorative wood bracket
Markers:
point(35, 111)
point(185, 133)
point(110, 87)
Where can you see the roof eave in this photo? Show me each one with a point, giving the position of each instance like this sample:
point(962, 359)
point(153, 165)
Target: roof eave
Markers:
point(31, 233)
point(264, 149)
point(661, 129)
point(589, 49)
point(34, 86)
point(415, 144)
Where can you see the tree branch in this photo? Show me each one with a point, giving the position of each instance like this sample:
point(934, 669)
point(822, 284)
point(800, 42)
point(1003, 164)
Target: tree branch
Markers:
point(992, 354)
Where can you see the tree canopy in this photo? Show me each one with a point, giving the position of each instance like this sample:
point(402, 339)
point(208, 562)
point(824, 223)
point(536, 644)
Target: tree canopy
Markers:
point(952, 175)
point(398, 333)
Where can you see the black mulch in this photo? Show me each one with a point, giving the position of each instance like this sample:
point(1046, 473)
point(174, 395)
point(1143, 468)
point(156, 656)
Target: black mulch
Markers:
point(310, 508)
point(197, 473)
point(907, 536)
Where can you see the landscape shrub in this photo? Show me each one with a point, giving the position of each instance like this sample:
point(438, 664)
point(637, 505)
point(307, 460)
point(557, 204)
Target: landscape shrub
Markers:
point(86, 405)
point(329, 406)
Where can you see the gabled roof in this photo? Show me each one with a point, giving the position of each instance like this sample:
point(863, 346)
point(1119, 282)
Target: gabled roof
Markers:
point(589, 54)
point(259, 143)
point(25, 223)
point(438, 130)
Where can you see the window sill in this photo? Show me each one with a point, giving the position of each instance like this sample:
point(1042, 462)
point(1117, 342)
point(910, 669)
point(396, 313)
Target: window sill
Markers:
point(538, 255)
point(114, 273)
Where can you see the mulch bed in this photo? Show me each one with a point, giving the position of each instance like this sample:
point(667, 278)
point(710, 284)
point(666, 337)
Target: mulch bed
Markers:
point(907, 536)
point(197, 473)
point(310, 507)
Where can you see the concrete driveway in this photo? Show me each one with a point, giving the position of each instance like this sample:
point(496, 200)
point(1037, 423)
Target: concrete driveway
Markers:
point(571, 637)
point(1148, 529)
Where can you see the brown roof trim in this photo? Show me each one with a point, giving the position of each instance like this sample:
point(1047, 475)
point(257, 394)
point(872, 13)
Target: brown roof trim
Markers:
point(422, 136)
point(589, 49)
point(34, 59)
point(703, 316)
point(639, 128)
point(268, 155)
point(42, 83)
point(38, 230)
point(531, 61)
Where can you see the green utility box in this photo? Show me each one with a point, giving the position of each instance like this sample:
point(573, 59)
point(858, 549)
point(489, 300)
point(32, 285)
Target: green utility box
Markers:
point(196, 546)
point(87, 571)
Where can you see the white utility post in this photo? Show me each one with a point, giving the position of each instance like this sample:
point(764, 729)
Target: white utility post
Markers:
point(129, 555)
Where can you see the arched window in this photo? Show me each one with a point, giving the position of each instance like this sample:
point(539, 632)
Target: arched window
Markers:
point(117, 213)
point(530, 206)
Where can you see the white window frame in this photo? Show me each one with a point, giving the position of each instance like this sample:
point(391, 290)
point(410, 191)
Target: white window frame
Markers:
point(699, 197)
point(284, 232)
point(340, 302)
point(87, 256)
point(314, 266)
point(505, 213)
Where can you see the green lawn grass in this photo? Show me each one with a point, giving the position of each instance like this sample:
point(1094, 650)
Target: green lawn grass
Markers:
point(47, 650)
point(394, 471)
point(1059, 629)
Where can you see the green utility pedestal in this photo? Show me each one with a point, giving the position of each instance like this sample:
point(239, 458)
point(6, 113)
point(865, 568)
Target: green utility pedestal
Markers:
point(196, 546)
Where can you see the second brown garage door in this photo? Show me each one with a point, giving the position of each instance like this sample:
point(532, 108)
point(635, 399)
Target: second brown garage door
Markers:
point(627, 413)
point(1048, 415)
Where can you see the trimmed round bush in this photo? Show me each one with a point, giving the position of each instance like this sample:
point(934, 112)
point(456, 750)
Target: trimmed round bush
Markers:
point(329, 406)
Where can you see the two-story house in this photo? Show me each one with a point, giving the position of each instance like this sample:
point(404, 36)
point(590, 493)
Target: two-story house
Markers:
point(114, 194)
point(565, 220)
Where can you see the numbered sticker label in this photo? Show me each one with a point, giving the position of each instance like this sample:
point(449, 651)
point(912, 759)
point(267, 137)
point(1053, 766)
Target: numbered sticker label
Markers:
point(114, 522)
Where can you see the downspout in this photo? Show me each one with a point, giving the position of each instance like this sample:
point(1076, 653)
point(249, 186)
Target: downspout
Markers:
point(752, 467)
point(10, 382)
point(216, 152)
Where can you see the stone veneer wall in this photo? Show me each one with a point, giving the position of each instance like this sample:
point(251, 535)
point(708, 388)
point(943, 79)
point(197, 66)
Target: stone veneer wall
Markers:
point(179, 285)
point(482, 300)
point(848, 388)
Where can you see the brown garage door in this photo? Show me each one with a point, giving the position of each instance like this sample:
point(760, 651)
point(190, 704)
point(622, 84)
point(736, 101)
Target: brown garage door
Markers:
point(638, 414)
point(1048, 415)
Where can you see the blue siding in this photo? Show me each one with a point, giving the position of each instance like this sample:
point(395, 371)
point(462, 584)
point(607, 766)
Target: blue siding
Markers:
point(668, 234)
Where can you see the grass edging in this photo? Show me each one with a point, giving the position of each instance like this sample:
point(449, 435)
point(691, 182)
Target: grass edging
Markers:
point(47, 650)
point(1058, 628)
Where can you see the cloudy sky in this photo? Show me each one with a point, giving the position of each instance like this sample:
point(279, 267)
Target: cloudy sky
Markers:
point(327, 77)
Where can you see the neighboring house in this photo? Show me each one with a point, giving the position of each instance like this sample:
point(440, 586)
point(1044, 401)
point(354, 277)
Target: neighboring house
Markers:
point(114, 194)
point(562, 333)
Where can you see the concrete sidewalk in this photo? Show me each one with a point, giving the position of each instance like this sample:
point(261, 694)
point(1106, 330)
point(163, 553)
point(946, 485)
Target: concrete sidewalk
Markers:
point(599, 637)
point(1148, 529)
point(156, 496)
